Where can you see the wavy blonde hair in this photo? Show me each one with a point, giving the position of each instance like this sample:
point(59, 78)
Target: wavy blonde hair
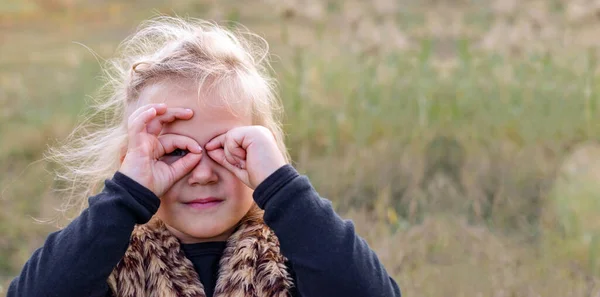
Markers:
point(230, 61)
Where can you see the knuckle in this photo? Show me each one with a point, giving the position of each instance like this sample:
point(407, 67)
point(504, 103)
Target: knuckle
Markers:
point(264, 130)
point(145, 149)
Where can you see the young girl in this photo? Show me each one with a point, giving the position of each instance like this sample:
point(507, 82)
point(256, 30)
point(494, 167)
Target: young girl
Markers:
point(198, 198)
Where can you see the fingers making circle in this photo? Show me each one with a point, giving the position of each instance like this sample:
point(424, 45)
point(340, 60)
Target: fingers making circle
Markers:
point(215, 143)
point(151, 118)
point(140, 117)
point(159, 107)
point(171, 142)
point(155, 126)
point(179, 153)
point(137, 126)
point(232, 146)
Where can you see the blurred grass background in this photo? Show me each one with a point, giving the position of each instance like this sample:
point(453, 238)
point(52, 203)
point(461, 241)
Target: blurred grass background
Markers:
point(460, 136)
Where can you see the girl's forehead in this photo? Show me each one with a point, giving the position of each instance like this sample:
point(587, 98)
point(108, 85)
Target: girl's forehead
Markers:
point(188, 94)
point(206, 123)
point(212, 116)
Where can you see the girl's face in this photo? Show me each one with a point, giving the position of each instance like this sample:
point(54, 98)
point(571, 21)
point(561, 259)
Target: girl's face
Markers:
point(221, 199)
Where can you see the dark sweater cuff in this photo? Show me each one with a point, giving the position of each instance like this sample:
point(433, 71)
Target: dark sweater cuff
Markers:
point(141, 194)
point(273, 183)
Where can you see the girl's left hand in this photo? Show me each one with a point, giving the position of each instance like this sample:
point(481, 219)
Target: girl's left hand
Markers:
point(250, 152)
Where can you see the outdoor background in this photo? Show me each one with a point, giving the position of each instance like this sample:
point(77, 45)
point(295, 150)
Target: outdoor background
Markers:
point(460, 136)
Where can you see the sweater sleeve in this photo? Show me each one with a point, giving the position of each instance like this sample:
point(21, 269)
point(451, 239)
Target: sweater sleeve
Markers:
point(77, 260)
point(327, 256)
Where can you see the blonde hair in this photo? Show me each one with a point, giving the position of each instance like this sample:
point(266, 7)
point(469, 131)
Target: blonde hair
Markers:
point(227, 61)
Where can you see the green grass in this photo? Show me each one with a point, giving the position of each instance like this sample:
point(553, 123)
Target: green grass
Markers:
point(449, 174)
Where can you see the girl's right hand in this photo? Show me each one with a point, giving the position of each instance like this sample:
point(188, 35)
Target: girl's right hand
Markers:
point(142, 161)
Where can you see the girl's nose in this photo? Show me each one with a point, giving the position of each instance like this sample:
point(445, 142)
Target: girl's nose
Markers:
point(203, 173)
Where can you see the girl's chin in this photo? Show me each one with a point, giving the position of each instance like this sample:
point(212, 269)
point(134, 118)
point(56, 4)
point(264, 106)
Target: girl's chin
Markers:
point(199, 235)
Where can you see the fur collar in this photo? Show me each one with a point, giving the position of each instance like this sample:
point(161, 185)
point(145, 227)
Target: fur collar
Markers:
point(154, 265)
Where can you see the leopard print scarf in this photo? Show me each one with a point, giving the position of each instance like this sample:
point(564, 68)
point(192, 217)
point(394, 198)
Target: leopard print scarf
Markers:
point(154, 265)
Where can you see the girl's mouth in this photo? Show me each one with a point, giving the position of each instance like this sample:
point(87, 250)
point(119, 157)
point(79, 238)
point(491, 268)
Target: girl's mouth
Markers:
point(204, 203)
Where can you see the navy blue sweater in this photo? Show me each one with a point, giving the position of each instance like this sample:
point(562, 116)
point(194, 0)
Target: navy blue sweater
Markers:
point(326, 256)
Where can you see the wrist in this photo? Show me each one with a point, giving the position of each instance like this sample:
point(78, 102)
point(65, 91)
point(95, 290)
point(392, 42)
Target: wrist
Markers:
point(140, 193)
point(136, 174)
point(273, 184)
point(269, 171)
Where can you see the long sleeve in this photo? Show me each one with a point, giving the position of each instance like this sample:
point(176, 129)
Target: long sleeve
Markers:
point(77, 260)
point(326, 255)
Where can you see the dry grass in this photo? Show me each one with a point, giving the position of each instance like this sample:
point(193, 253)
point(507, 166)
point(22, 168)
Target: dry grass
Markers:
point(460, 136)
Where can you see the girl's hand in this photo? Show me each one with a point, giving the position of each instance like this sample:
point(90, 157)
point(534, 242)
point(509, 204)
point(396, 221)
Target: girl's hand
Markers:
point(250, 152)
point(143, 159)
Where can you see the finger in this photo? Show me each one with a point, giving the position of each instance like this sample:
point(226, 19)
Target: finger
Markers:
point(215, 143)
point(237, 152)
point(184, 165)
point(228, 141)
point(228, 156)
point(172, 114)
point(138, 124)
point(160, 108)
point(171, 142)
point(241, 164)
point(218, 156)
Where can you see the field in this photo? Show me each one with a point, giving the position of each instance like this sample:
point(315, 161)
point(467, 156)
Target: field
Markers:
point(461, 137)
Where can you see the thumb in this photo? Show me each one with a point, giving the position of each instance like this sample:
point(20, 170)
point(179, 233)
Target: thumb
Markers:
point(184, 165)
point(218, 156)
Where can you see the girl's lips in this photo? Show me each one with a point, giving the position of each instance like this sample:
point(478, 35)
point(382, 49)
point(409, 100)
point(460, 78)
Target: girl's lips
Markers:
point(204, 203)
point(205, 200)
